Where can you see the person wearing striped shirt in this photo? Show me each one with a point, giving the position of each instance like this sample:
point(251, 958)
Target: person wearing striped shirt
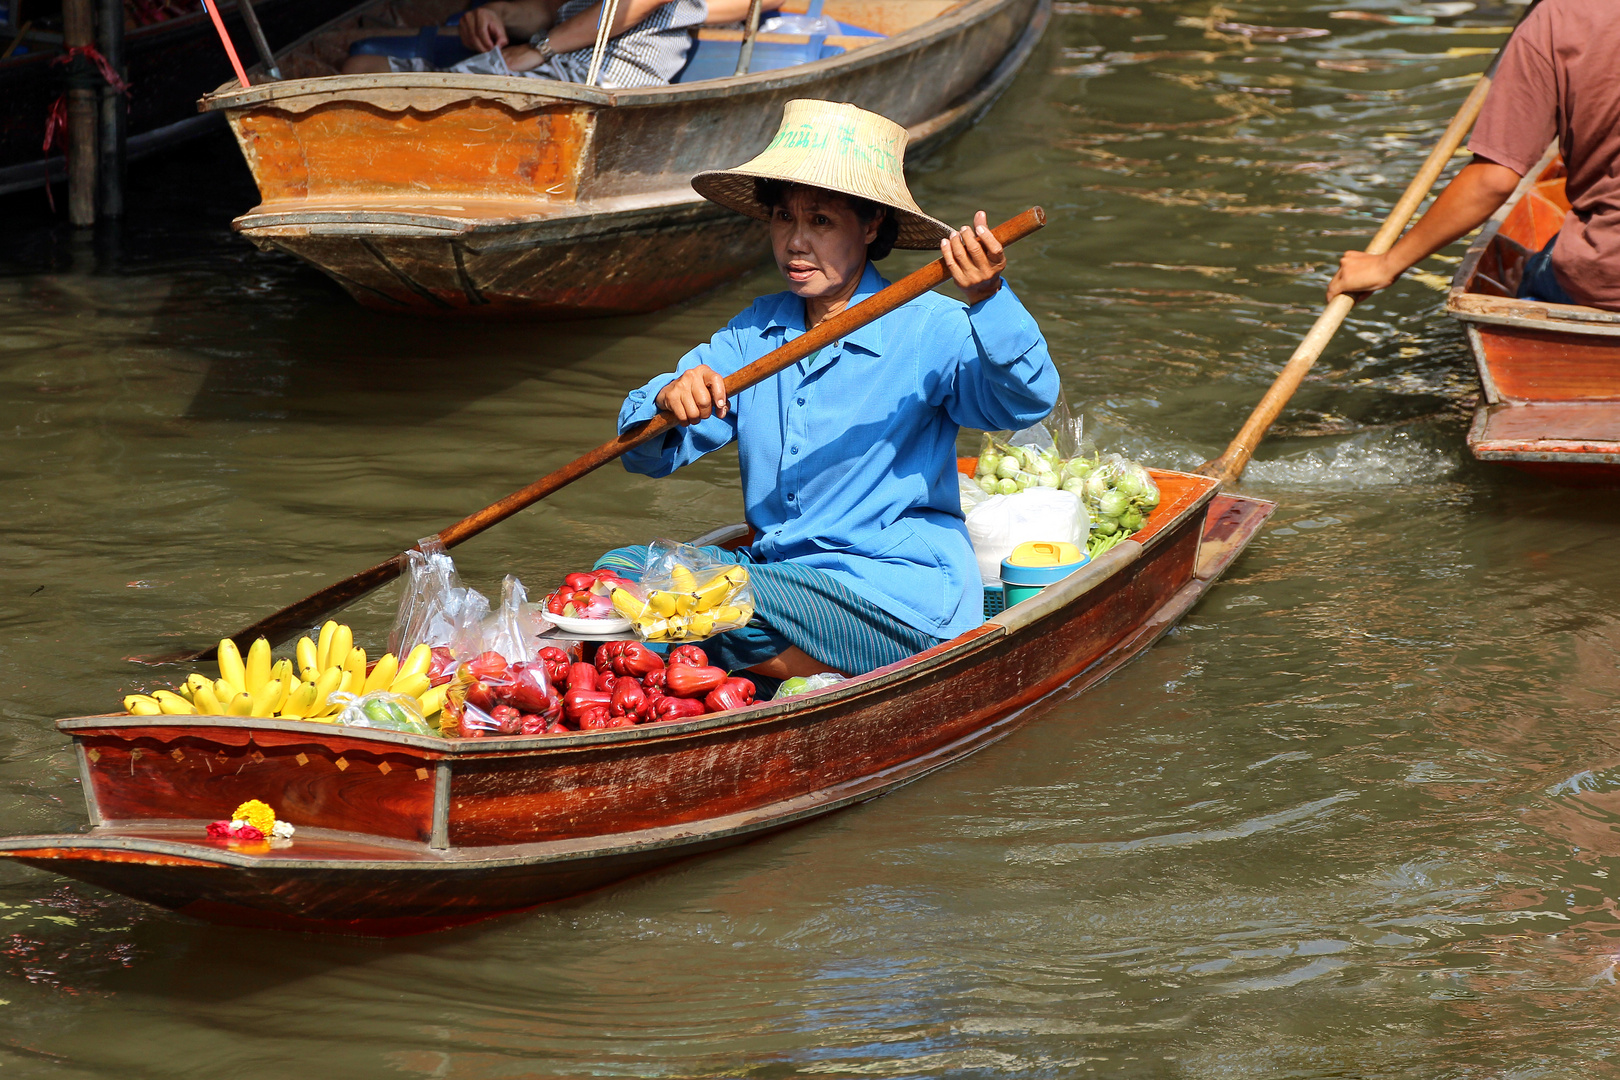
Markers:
point(553, 39)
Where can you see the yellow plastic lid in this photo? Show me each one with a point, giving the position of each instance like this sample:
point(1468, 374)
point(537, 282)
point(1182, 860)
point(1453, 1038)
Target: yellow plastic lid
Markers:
point(1044, 553)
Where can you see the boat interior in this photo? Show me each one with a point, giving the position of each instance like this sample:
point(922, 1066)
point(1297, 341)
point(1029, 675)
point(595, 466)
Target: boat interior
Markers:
point(427, 29)
point(1533, 221)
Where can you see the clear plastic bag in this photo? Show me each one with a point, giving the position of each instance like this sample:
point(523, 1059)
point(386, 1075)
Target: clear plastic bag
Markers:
point(1032, 458)
point(383, 710)
point(1120, 494)
point(684, 595)
point(436, 607)
point(801, 684)
point(970, 492)
point(512, 630)
point(998, 525)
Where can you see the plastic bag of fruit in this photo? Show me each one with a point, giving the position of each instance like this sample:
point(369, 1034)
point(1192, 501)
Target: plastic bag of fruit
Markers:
point(1121, 495)
point(1032, 458)
point(512, 630)
point(684, 595)
point(436, 608)
point(383, 710)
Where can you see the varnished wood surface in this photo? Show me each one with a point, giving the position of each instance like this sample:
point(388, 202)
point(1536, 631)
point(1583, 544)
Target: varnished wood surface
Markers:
point(536, 819)
point(1550, 372)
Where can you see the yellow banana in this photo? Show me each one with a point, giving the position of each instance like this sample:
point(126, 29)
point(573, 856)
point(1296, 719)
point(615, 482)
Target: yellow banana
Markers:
point(417, 662)
point(383, 674)
point(230, 663)
point(628, 604)
point(300, 702)
point(713, 592)
point(737, 575)
point(356, 665)
point(184, 690)
point(283, 670)
point(225, 691)
point(194, 682)
point(207, 702)
point(433, 700)
point(256, 670)
point(289, 684)
point(342, 645)
point(682, 580)
point(141, 705)
point(263, 701)
point(172, 704)
point(241, 705)
point(685, 605)
point(661, 603)
point(411, 685)
point(308, 669)
point(323, 649)
point(702, 624)
point(328, 684)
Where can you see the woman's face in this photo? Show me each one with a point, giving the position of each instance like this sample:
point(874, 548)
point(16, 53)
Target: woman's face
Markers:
point(819, 242)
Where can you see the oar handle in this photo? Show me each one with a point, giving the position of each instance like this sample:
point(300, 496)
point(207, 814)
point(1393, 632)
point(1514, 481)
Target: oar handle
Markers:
point(304, 613)
point(1230, 465)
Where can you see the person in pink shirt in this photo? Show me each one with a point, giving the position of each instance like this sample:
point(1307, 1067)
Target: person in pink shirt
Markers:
point(1559, 76)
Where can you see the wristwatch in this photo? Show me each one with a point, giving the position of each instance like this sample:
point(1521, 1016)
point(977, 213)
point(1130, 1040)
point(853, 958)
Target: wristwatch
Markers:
point(542, 41)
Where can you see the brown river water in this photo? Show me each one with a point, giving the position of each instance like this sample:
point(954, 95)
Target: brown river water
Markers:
point(1353, 818)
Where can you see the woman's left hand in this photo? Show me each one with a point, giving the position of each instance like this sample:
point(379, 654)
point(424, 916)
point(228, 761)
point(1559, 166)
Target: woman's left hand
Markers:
point(975, 259)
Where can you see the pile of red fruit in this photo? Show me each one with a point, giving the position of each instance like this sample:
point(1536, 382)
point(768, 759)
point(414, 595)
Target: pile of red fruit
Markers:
point(587, 596)
point(628, 685)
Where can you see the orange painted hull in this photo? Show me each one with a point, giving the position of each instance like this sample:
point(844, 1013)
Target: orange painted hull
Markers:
point(1550, 373)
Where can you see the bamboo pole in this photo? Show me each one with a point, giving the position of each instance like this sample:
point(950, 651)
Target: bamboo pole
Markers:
point(745, 55)
point(78, 30)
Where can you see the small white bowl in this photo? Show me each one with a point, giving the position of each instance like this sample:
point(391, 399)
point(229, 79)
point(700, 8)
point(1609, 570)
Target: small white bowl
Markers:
point(616, 625)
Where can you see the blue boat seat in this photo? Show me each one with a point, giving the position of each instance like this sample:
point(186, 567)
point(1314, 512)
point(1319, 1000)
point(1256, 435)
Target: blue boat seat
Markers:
point(718, 59)
point(439, 50)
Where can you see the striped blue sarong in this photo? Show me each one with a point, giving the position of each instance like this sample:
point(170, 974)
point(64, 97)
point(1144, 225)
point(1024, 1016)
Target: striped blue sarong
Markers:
point(796, 605)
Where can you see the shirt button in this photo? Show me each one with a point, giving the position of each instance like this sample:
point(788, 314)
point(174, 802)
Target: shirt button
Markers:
point(793, 450)
point(801, 401)
point(791, 497)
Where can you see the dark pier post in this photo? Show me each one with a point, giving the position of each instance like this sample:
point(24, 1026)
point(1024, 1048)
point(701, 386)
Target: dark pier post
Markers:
point(113, 111)
point(78, 29)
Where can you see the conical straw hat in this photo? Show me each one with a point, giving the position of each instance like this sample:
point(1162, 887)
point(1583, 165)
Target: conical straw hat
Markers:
point(837, 147)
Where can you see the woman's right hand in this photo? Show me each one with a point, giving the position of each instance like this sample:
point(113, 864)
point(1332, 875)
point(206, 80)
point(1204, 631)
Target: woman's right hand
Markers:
point(695, 395)
point(483, 28)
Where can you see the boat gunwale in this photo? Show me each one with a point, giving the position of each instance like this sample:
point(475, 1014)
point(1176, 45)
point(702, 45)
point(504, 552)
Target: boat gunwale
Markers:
point(520, 93)
point(1008, 623)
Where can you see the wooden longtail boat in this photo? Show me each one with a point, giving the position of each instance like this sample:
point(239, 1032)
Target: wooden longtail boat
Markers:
point(447, 194)
point(169, 64)
point(1550, 372)
point(401, 834)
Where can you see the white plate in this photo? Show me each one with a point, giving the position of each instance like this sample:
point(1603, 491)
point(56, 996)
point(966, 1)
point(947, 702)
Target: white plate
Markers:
point(615, 625)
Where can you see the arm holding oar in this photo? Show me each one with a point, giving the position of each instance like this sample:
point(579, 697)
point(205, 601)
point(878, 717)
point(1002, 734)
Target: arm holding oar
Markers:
point(1231, 463)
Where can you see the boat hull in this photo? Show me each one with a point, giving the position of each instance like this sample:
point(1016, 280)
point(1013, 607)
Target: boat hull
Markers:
point(1549, 373)
point(400, 834)
point(458, 196)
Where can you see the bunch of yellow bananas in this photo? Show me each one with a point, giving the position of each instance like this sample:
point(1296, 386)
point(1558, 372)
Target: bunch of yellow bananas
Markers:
point(255, 686)
point(687, 611)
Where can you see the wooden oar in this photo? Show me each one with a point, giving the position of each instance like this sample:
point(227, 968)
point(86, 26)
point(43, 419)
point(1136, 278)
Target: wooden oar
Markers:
point(1230, 465)
point(299, 616)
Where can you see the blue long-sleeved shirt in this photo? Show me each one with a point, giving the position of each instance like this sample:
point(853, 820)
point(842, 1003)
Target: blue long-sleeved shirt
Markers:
point(849, 456)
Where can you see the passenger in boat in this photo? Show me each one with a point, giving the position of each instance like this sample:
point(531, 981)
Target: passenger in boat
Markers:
point(553, 39)
point(860, 556)
point(1558, 77)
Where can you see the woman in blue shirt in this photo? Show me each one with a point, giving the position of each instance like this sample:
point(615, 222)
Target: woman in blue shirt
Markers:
point(860, 556)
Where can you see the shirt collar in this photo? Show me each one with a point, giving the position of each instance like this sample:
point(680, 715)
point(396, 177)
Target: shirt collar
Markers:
point(789, 313)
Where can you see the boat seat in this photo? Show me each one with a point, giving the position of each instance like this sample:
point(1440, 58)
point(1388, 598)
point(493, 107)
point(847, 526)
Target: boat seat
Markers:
point(439, 50)
point(712, 59)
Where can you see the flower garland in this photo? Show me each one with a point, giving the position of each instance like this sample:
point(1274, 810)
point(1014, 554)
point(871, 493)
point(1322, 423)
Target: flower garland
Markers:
point(253, 820)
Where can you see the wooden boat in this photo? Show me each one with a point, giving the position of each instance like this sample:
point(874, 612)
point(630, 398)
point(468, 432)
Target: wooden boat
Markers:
point(1550, 372)
point(401, 834)
point(170, 64)
point(447, 194)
